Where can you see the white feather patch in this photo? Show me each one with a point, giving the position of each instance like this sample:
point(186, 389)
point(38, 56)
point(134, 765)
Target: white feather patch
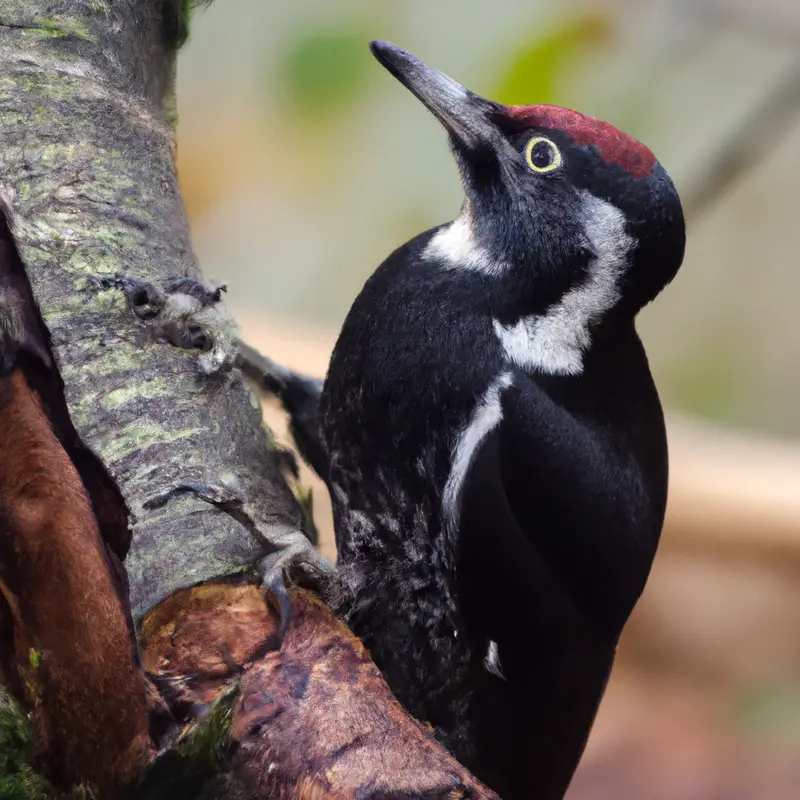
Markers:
point(486, 415)
point(492, 661)
point(455, 245)
point(555, 342)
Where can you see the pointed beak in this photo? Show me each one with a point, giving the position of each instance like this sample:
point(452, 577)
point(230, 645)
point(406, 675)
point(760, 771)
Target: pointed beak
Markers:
point(466, 116)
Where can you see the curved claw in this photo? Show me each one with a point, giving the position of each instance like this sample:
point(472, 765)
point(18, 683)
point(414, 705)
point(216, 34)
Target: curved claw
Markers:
point(278, 588)
point(298, 557)
point(274, 568)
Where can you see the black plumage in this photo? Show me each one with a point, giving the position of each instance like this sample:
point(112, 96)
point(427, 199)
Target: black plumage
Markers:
point(494, 442)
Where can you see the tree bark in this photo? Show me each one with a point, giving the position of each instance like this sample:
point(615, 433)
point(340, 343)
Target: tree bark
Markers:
point(214, 699)
point(88, 155)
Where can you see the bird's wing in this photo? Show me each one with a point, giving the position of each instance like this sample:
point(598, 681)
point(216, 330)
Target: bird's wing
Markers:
point(534, 469)
point(534, 497)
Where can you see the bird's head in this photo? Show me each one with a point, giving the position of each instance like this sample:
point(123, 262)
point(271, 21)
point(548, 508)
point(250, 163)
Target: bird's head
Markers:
point(557, 197)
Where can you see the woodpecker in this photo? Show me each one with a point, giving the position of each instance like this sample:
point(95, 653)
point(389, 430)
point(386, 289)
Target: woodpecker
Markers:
point(492, 437)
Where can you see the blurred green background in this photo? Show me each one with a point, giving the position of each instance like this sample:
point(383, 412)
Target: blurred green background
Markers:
point(304, 164)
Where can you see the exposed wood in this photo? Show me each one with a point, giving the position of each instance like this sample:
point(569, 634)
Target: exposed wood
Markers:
point(68, 649)
point(313, 717)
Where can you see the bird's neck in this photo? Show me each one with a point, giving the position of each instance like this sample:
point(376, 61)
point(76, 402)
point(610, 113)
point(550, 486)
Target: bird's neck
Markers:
point(546, 316)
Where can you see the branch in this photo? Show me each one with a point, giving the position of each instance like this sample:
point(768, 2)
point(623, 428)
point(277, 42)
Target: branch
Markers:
point(311, 719)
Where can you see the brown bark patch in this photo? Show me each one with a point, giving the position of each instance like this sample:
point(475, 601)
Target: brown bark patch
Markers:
point(68, 643)
point(319, 707)
point(198, 640)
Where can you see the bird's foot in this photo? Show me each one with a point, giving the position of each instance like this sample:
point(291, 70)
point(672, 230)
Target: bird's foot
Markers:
point(206, 293)
point(277, 586)
point(291, 388)
point(299, 395)
point(298, 563)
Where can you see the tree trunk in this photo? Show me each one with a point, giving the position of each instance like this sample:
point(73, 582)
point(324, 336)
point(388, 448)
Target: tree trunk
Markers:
point(215, 700)
point(88, 154)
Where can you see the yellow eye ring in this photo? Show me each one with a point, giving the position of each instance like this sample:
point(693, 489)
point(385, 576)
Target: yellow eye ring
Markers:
point(554, 152)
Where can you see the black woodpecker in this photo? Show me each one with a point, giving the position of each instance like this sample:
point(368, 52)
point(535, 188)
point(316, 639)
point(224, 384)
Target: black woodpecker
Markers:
point(492, 437)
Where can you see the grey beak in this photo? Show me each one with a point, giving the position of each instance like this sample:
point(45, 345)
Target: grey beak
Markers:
point(465, 115)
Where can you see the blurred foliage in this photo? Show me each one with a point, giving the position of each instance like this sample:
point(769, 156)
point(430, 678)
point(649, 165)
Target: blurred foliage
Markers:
point(770, 711)
point(537, 67)
point(705, 382)
point(292, 166)
point(323, 72)
point(18, 779)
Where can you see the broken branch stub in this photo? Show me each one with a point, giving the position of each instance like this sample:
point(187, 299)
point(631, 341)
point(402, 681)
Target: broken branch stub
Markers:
point(312, 716)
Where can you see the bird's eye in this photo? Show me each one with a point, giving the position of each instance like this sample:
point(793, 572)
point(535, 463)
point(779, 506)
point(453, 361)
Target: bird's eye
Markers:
point(542, 155)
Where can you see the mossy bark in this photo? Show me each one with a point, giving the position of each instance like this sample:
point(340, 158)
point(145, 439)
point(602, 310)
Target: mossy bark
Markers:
point(86, 110)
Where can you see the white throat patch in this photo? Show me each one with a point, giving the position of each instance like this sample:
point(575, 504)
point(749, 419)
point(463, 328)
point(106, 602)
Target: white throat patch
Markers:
point(455, 245)
point(554, 342)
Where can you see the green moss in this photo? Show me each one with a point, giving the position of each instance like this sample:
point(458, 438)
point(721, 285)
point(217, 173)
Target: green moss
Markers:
point(132, 438)
point(183, 17)
point(44, 85)
point(12, 117)
point(109, 191)
point(18, 780)
point(177, 19)
point(50, 33)
point(88, 304)
point(196, 759)
point(81, 412)
point(55, 155)
point(208, 742)
point(105, 301)
point(119, 359)
point(157, 387)
point(116, 238)
point(61, 28)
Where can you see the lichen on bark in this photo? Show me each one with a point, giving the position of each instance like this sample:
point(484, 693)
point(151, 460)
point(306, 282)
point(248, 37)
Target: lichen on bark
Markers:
point(88, 160)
